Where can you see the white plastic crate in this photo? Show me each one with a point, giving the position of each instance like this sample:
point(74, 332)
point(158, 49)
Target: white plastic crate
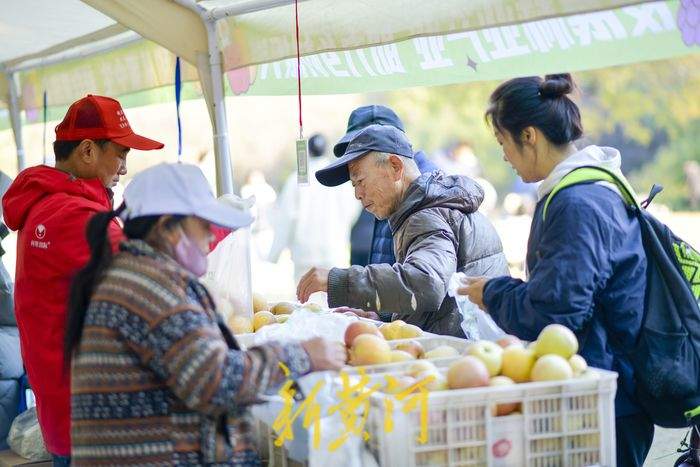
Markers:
point(563, 423)
point(429, 342)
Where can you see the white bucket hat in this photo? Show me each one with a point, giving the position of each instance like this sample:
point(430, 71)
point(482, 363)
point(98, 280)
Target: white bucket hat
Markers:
point(179, 189)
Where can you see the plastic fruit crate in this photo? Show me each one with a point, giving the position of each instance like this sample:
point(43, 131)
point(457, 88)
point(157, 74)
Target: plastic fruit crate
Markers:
point(428, 342)
point(562, 423)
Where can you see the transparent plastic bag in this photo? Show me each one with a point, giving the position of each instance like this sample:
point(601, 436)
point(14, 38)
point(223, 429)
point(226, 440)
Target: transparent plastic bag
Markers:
point(476, 323)
point(228, 276)
point(25, 437)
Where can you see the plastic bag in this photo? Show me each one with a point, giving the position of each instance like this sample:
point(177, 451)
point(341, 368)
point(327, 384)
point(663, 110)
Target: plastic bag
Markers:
point(25, 437)
point(228, 276)
point(476, 323)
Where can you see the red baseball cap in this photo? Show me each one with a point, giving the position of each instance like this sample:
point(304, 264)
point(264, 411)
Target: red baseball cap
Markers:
point(100, 117)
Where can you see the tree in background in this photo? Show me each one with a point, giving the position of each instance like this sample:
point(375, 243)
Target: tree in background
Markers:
point(651, 110)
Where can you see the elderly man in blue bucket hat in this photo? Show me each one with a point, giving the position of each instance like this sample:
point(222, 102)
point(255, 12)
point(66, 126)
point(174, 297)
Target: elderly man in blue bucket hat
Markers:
point(436, 230)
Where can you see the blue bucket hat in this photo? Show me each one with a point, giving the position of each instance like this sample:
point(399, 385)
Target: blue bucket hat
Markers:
point(361, 118)
point(379, 138)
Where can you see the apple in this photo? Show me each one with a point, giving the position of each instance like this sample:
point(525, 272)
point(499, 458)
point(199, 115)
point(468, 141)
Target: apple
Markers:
point(392, 331)
point(551, 367)
point(263, 318)
point(507, 340)
point(283, 308)
point(401, 356)
point(578, 364)
point(369, 349)
point(409, 331)
point(500, 410)
point(413, 347)
point(259, 303)
point(421, 366)
point(517, 363)
point(312, 306)
point(489, 353)
point(556, 339)
point(467, 372)
point(281, 318)
point(357, 328)
point(434, 381)
point(443, 351)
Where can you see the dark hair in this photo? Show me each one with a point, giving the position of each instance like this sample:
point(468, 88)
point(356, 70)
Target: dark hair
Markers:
point(532, 101)
point(86, 280)
point(63, 149)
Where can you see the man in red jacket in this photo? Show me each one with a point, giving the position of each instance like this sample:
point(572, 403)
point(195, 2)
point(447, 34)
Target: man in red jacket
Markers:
point(51, 208)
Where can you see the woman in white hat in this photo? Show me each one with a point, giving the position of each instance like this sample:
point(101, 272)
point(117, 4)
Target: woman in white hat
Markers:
point(157, 378)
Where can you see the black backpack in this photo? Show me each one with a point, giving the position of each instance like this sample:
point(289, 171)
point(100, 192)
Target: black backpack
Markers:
point(666, 356)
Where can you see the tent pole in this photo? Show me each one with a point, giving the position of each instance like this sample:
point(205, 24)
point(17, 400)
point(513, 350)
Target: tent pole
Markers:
point(15, 120)
point(224, 172)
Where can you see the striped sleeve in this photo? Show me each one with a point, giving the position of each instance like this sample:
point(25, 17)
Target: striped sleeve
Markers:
point(187, 351)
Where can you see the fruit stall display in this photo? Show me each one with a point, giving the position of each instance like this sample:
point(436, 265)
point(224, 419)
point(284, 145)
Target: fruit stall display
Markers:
point(503, 403)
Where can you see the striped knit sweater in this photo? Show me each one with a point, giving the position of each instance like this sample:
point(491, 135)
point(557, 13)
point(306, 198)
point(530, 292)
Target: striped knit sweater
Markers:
point(158, 380)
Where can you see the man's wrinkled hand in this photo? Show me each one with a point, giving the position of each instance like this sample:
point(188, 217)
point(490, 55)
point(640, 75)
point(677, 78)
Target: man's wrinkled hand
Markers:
point(357, 312)
point(315, 280)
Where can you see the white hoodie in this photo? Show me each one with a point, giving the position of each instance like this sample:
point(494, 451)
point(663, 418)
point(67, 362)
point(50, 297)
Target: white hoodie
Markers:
point(605, 157)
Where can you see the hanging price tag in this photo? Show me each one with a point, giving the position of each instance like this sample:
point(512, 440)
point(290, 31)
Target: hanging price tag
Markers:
point(302, 162)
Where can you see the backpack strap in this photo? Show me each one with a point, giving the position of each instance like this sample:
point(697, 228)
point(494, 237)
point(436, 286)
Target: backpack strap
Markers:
point(587, 174)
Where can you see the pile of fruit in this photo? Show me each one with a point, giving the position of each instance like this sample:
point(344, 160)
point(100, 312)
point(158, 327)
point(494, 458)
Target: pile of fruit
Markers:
point(264, 314)
point(370, 345)
point(552, 357)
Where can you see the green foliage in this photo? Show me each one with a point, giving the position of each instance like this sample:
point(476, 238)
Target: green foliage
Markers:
point(642, 99)
point(667, 170)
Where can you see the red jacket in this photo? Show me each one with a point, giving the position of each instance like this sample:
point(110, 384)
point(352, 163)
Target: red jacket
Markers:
point(51, 209)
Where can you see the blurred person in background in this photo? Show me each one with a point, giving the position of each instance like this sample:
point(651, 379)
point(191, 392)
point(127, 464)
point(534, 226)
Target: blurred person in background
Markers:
point(313, 221)
point(692, 177)
point(459, 159)
point(158, 378)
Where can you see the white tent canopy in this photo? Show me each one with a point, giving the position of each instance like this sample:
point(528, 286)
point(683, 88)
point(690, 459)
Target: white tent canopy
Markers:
point(215, 36)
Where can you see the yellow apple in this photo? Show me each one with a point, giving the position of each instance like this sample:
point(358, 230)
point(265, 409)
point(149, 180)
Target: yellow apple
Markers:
point(443, 351)
point(421, 366)
point(368, 349)
point(391, 331)
point(489, 353)
point(259, 303)
point(556, 339)
point(578, 364)
point(401, 356)
point(282, 308)
point(551, 368)
point(281, 318)
point(517, 363)
point(413, 347)
point(409, 331)
point(263, 318)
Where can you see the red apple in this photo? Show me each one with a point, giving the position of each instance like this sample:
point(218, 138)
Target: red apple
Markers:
point(360, 327)
point(467, 372)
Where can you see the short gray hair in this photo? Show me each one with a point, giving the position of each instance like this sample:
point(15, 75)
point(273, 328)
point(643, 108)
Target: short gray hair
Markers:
point(381, 158)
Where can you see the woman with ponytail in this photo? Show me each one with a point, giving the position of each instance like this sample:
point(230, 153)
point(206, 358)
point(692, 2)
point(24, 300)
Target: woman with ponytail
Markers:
point(585, 258)
point(157, 378)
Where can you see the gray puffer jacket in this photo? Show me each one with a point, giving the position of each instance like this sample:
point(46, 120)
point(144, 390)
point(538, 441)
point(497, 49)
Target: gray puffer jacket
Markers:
point(437, 231)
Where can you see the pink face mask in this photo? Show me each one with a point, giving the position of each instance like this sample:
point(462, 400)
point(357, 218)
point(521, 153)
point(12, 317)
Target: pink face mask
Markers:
point(190, 256)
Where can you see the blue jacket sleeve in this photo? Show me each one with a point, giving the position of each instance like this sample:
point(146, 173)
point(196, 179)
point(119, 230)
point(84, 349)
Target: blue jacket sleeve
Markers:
point(573, 262)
